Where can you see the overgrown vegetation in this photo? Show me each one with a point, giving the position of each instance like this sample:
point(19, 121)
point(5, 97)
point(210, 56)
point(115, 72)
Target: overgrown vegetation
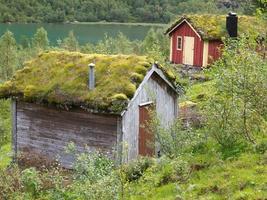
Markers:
point(236, 114)
point(40, 79)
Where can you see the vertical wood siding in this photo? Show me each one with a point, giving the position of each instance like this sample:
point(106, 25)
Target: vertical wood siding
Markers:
point(214, 50)
point(177, 55)
point(165, 100)
point(47, 131)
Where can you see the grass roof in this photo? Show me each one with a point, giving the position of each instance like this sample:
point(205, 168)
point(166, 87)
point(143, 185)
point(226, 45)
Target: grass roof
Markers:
point(214, 26)
point(61, 78)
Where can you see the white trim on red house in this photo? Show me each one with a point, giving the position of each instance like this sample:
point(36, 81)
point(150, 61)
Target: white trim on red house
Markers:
point(205, 53)
point(181, 48)
point(188, 24)
point(171, 38)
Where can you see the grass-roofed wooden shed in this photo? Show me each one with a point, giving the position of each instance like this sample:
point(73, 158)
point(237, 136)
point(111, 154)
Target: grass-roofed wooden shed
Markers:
point(54, 105)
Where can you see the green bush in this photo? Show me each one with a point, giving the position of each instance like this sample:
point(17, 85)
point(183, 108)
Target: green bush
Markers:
point(175, 140)
point(5, 122)
point(135, 169)
point(92, 166)
point(31, 181)
point(236, 113)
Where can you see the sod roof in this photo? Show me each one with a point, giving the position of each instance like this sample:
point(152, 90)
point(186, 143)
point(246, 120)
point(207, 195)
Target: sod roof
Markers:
point(213, 27)
point(61, 78)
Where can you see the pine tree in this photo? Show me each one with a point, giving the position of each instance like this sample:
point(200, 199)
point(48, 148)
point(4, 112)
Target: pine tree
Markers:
point(8, 56)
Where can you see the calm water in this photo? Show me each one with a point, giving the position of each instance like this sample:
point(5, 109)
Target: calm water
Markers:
point(84, 32)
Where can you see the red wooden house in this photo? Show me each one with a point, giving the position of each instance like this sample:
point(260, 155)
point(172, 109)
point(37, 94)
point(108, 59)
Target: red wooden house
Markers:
point(196, 40)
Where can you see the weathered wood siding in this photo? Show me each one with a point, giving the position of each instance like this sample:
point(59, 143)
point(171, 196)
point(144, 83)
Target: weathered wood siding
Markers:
point(47, 131)
point(165, 99)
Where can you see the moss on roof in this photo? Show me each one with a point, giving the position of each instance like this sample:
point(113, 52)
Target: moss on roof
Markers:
point(214, 26)
point(61, 78)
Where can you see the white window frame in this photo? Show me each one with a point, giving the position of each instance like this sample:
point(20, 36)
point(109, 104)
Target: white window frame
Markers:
point(179, 37)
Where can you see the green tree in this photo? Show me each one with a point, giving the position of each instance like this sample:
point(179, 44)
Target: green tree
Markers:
point(237, 114)
point(40, 40)
point(156, 45)
point(261, 7)
point(70, 43)
point(8, 56)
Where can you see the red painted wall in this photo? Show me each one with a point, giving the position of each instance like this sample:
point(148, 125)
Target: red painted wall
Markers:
point(215, 47)
point(177, 55)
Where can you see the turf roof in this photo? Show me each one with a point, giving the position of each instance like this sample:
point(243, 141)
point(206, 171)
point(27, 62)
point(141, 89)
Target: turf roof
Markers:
point(213, 27)
point(61, 78)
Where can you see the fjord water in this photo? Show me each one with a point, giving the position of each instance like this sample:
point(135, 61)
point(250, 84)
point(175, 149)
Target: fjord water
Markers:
point(84, 32)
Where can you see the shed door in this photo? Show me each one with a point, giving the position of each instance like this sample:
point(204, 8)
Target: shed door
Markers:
point(188, 50)
point(146, 139)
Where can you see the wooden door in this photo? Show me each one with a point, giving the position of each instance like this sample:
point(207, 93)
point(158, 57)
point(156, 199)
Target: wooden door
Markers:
point(146, 138)
point(188, 57)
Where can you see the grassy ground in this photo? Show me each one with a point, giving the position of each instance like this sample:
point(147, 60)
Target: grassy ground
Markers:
point(242, 178)
point(5, 155)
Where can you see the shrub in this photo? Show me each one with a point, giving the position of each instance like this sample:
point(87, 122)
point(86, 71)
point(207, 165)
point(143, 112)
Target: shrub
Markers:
point(31, 181)
point(175, 140)
point(236, 114)
point(135, 169)
point(92, 166)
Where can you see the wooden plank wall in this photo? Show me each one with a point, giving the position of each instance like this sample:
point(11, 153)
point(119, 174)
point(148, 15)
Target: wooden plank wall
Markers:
point(177, 55)
point(47, 131)
point(165, 99)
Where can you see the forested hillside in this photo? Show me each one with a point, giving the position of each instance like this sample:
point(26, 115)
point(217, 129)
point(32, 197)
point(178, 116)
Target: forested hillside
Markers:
point(161, 11)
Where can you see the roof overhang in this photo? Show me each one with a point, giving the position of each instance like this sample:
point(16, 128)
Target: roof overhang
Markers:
point(179, 23)
point(154, 70)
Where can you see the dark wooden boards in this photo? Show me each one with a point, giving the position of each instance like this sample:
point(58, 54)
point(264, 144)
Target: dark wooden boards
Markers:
point(47, 131)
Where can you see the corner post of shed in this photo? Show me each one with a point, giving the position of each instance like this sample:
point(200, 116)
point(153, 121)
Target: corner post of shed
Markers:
point(14, 129)
point(119, 145)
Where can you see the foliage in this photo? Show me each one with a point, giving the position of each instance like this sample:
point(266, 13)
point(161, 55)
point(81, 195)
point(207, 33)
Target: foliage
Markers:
point(40, 40)
point(135, 169)
point(92, 167)
point(201, 176)
point(156, 45)
point(161, 172)
point(236, 114)
point(8, 56)
point(261, 6)
point(5, 122)
point(5, 156)
point(70, 43)
point(175, 140)
point(242, 178)
point(30, 181)
point(113, 10)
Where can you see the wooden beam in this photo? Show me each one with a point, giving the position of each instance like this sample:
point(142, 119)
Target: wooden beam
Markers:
point(119, 148)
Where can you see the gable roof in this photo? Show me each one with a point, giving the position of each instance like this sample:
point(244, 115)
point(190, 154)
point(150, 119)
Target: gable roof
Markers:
point(213, 27)
point(61, 78)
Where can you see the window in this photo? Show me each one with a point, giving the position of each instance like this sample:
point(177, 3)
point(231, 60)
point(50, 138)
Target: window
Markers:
point(179, 43)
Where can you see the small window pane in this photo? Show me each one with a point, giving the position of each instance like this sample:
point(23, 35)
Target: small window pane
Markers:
point(179, 43)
